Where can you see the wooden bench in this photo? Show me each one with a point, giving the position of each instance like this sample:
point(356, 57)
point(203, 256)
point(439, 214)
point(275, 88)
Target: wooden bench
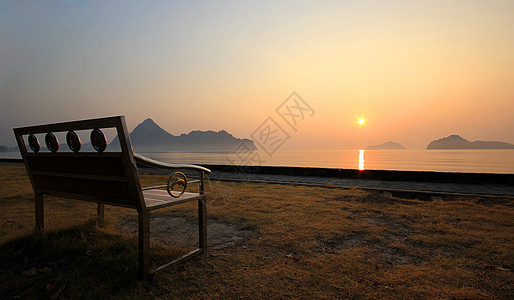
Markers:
point(105, 177)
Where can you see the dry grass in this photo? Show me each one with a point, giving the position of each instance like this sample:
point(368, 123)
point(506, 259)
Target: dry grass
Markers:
point(307, 242)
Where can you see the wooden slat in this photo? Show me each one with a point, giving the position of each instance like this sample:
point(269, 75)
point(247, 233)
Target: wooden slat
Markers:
point(89, 198)
point(73, 125)
point(118, 191)
point(75, 155)
point(159, 198)
point(88, 164)
point(81, 176)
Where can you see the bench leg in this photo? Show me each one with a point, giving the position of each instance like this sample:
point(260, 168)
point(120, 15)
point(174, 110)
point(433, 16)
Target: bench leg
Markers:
point(144, 245)
point(100, 211)
point(202, 216)
point(202, 224)
point(39, 214)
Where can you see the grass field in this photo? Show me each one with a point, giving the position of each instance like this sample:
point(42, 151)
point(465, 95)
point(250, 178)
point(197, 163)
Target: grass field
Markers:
point(299, 242)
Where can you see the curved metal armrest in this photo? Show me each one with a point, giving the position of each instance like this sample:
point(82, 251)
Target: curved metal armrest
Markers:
point(161, 165)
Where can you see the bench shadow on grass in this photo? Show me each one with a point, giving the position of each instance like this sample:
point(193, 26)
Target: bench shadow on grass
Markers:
point(82, 261)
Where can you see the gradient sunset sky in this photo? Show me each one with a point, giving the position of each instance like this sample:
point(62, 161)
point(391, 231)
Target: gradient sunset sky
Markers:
point(414, 70)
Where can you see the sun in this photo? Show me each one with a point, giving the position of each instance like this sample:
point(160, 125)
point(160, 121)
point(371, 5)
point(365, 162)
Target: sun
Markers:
point(361, 121)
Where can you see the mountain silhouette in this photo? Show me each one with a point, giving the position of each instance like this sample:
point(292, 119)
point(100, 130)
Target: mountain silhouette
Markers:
point(455, 141)
point(150, 137)
point(386, 146)
point(149, 133)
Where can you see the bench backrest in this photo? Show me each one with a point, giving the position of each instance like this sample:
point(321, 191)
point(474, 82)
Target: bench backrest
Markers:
point(98, 176)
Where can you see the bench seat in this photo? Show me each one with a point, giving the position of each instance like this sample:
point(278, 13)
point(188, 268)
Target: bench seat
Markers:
point(155, 199)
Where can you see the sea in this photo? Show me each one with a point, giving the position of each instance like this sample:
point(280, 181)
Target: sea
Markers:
point(467, 161)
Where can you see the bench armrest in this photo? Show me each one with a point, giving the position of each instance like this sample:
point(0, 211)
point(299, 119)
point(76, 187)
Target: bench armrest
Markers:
point(161, 165)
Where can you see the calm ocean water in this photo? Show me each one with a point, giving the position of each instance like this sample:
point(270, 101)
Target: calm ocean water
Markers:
point(473, 161)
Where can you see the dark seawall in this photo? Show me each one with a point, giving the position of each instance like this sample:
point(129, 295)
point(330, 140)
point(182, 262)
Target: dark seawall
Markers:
point(414, 176)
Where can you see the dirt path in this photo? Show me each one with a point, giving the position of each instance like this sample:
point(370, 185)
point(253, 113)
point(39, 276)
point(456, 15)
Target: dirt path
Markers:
point(181, 231)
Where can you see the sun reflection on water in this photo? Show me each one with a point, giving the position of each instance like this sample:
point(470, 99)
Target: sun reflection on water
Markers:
point(361, 160)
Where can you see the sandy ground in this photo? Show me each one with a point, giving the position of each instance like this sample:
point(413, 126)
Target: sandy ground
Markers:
point(180, 231)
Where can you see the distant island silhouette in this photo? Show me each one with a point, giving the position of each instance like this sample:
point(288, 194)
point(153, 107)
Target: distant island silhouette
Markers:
point(386, 146)
point(457, 142)
point(150, 137)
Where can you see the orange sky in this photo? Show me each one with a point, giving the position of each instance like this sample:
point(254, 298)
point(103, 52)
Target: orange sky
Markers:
point(415, 71)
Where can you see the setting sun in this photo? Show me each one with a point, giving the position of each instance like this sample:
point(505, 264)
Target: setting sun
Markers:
point(361, 121)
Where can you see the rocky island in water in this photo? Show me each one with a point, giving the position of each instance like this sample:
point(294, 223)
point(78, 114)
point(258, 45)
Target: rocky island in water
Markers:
point(457, 142)
point(386, 146)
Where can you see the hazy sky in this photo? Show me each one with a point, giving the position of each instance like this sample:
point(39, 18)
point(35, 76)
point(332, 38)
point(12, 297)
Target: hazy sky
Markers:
point(415, 70)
